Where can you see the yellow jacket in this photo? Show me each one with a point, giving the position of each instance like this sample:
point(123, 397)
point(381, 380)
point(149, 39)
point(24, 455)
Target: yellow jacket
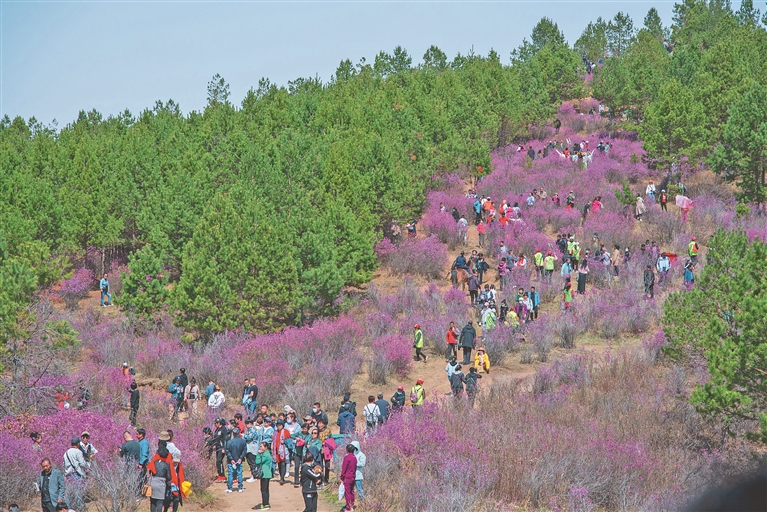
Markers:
point(482, 362)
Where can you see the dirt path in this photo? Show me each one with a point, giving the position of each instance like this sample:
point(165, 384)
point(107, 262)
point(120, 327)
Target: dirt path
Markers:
point(282, 499)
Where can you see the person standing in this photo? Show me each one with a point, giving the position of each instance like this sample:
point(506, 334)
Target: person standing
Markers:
point(143, 450)
point(75, 464)
point(176, 391)
point(264, 463)
point(640, 208)
point(568, 296)
point(310, 476)
point(372, 415)
point(692, 250)
point(583, 272)
point(663, 200)
point(417, 394)
point(467, 340)
point(280, 450)
point(89, 451)
point(52, 487)
point(135, 399)
point(473, 283)
point(689, 276)
point(503, 274)
point(209, 389)
point(216, 400)
point(160, 478)
point(348, 476)
point(650, 191)
point(538, 263)
point(418, 343)
point(481, 230)
point(130, 449)
point(217, 444)
point(535, 299)
point(192, 395)
point(253, 394)
point(452, 341)
point(383, 407)
point(649, 282)
point(398, 399)
point(361, 461)
point(236, 448)
point(104, 285)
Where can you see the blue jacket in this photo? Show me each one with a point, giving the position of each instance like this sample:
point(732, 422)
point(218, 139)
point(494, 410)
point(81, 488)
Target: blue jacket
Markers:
point(104, 283)
point(460, 262)
point(477, 206)
point(236, 449)
point(536, 298)
point(55, 485)
point(383, 406)
point(346, 422)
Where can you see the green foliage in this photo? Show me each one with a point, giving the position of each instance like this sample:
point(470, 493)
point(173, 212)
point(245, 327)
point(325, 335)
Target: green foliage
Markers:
point(674, 127)
point(593, 40)
point(742, 157)
point(654, 25)
point(722, 322)
point(18, 282)
point(145, 283)
point(239, 269)
point(624, 195)
point(546, 32)
point(620, 32)
point(337, 161)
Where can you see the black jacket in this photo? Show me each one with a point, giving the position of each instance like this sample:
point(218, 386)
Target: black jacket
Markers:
point(468, 334)
point(309, 479)
point(398, 400)
point(135, 397)
point(217, 442)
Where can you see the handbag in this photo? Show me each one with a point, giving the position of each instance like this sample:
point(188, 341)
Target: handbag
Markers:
point(146, 491)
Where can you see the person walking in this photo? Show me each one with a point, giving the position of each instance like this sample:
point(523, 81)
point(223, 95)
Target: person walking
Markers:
point(640, 208)
point(450, 369)
point(692, 250)
point(372, 415)
point(51, 485)
point(104, 286)
point(451, 338)
point(417, 394)
point(192, 395)
point(689, 276)
point(280, 450)
point(473, 283)
point(383, 407)
point(456, 382)
point(236, 450)
point(481, 230)
point(160, 470)
point(567, 296)
point(649, 282)
point(535, 300)
point(472, 388)
point(398, 399)
point(143, 451)
point(663, 201)
point(538, 263)
point(135, 400)
point(264, 464)
point(466, 341)
point(548, 265)
point(311, 475)
point(418, 343)
point(348, 476)
point(177, 393)
point(503, 273)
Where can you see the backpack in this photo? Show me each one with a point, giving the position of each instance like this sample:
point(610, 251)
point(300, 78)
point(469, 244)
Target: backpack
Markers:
point(414, 395)
point(371, 417)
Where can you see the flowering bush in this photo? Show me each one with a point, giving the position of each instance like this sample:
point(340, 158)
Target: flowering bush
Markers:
point(425, 257)
point(391, 354)
point(76, 288)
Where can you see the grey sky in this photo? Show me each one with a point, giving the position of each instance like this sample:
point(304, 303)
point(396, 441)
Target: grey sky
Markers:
point(60, 58)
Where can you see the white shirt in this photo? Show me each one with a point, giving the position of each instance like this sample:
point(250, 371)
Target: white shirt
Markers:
point(361, 461)
point(216, 400)
point(371, 410)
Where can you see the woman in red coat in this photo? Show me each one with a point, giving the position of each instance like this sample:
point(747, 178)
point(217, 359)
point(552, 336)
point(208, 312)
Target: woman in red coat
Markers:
point(348, 475)
point(280, 449)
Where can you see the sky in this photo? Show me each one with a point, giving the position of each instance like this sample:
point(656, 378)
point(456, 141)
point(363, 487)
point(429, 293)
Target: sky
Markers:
point(61, 57)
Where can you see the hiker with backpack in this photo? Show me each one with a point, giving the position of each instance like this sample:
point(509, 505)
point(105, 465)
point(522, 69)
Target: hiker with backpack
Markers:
point(417, 394)
point(456, 382)
point(418, 343)
point(372, 415)
point(472, 388)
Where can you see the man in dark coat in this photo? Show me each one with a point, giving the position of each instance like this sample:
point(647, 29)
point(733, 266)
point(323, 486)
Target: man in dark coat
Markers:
point(466, 341)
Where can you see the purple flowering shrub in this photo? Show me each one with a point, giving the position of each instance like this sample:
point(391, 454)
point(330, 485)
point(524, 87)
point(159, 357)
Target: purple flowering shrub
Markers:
point(76, 288)
point(425, 257)
point(392, 354)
